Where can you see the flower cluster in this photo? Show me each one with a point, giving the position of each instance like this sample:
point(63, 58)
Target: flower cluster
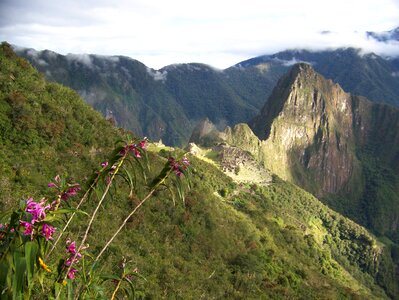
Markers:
point(37, 213)
point(73, 259)
point(66, 191)
point(179, 166)
point(135, 148)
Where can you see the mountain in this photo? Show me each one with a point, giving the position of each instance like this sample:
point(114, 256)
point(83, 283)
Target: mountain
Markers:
point(167, 103)
point(386, 36)
point(161, 104)
point(45, 130)
point(228, 240)
point(122, 89)
point(342, 148)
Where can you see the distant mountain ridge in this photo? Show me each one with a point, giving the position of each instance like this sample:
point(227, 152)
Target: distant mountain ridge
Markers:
point(162, 104)
point(359, 73)
point(167, 103)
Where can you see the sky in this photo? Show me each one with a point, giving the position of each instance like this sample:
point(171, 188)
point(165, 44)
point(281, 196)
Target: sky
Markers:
point(220, 33)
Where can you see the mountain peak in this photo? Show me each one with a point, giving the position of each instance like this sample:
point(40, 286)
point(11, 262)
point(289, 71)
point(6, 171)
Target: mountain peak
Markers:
point(302, 67)
point(307, 124)
point(301, 75)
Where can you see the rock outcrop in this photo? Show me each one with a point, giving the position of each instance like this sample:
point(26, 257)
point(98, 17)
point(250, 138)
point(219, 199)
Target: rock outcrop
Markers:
point(307, 130)
point(341, 147)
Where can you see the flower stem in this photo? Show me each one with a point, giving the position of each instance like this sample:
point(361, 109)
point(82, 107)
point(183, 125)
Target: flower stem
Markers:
point(129, 216)
point(94, 215)
point(116, 289)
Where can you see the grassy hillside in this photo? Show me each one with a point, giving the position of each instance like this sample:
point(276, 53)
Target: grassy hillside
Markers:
point(45, 129)
point(226, 240)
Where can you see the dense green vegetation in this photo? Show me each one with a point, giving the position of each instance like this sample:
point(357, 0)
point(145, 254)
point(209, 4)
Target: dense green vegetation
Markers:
point(45, 129)
point(226, 240)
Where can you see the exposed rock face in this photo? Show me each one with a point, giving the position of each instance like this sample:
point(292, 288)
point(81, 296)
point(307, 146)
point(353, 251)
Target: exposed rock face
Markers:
point(333, 143)
point(307, 130)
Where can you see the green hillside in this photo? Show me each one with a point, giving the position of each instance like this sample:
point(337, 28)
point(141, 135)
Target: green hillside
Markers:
point(45, 129)
point(227, 240)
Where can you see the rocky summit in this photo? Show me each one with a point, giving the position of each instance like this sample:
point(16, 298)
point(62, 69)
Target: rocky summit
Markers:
point(308, 132)
point(341, 147)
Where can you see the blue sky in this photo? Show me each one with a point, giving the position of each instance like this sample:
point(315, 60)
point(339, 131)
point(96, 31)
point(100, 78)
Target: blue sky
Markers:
point(218, 33)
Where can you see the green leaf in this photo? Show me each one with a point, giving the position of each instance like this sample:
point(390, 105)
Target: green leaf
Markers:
point(130, 284)
point(68, 210)
point(31, 250)
point(162, 175)
point(70, 290)
point(109, 277)
point(4, 268)
point(19, 275)
point(131, 180)
point(5, 216)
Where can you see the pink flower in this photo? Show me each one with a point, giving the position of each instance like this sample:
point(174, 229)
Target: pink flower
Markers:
point(56, 179)
point(185, 161)
point(135, 148)
point(143, 143)
point(137, 153)
point(175, 166)
point(70, 192)
point(48, 231)
point(179, 166)
point(104, 164)
point(71, 247)
point(71, 273)
point(37, 209)
point(28, 227)
point(73, 259)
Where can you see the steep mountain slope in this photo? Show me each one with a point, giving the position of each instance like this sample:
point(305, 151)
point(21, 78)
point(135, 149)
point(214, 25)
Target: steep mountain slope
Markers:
point(163, 104)
point(120, 88)
point(340, 147)
point(45, 129)
point(274, 241)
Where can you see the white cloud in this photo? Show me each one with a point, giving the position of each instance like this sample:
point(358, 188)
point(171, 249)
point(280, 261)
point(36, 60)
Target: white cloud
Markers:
point(82, 58)
point(219, 33)
point(157, 75)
